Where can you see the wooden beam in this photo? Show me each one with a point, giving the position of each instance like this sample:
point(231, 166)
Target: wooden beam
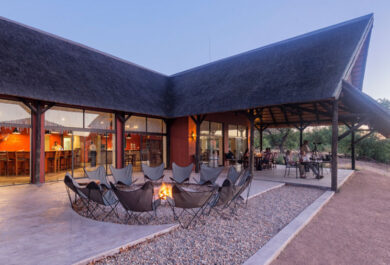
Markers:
point(316, 111)
point(251, 116)
point(335, 128)
point(283, 110)
point(353, 150)
point(364, 136)
point(353, 128)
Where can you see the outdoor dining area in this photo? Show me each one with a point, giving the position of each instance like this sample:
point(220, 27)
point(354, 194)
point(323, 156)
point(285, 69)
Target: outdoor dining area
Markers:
point(129, 200)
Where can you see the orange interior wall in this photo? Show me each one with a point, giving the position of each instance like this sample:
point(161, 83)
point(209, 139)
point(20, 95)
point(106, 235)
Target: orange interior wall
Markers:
point(54, 138)
point(14, 142)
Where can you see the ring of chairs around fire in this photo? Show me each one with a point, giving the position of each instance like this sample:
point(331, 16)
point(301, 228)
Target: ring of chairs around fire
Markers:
point(204, 196)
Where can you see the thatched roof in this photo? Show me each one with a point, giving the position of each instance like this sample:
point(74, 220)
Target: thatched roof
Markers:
point(303, 72)
point(38, 65)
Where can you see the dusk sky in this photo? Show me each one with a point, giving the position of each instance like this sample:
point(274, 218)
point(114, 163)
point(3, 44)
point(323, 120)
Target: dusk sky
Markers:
point(172, 36)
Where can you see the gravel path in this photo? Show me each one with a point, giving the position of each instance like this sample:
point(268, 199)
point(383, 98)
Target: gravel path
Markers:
point(223, 240)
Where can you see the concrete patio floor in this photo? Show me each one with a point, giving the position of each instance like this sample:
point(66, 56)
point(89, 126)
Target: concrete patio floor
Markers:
point(37, 226)
point(277, 174)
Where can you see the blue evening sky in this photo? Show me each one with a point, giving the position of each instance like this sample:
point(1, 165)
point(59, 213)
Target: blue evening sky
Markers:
point(171, 36)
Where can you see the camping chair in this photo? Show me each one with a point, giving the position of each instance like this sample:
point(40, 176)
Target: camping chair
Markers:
point(208, 175)
point(137, 202)
point(289, 167)
point(122, 175)
point(243, 183)
point(98, 174)
point(99, 198)
point(71, 184)
point(153, 173)
point(233, 175)
point(193, 203)
point(181, 174)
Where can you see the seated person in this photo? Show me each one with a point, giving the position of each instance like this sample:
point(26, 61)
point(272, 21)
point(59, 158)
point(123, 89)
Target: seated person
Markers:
point(305, 161)
point(289, 158)
point(267, 157)
point(57, 147)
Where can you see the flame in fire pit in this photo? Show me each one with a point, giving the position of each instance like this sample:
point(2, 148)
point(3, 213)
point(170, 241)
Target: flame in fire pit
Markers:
point(165, 191)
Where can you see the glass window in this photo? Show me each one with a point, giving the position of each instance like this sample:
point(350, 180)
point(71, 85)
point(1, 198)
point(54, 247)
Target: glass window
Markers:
point(136, 124)
point(205, 128)
point(13, 112)
point(15, 139)
point(233, 132)
point(64, 117)
point(155, 125)
point(211, 143)
point(99, 120)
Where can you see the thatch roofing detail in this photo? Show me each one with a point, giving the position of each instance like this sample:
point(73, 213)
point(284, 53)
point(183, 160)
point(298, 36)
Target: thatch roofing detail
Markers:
point(309, 68)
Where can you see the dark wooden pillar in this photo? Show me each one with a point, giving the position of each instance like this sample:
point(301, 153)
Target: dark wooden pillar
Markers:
point(353, 150)
point(120, 138)
point(261, 138)
point(37, 141)
point(198, 119)
point(251, 144)
point(301, 136)
point(335, 132)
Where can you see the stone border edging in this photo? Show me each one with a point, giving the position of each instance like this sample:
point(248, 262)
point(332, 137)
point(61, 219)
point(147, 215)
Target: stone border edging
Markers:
point(130, 244)
point(271, 250)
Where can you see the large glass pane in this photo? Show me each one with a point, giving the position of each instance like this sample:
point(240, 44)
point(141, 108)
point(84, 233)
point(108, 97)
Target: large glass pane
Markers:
point(132, 151)
point(99, 120)
point(63, 117)
point(155, 125)
point(152, 150)
point(238, 143)
point(205, 128)
point(14, 113)
point(15, 133)
point(14, 155)
point(211, 144)
point(136, 124)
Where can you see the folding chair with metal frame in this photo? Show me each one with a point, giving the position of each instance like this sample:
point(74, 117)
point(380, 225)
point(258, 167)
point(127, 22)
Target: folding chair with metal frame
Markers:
point(100, 197)
point(71, 184)
point(138, 202)
point(193, 203)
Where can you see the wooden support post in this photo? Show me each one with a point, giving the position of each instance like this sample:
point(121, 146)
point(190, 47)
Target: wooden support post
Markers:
point(300, 136)
point(261, 138)
point(353, 150)
point(120, 140)
point(335, 132)
point(38, 144)
point(251, 118)
point(197, 148)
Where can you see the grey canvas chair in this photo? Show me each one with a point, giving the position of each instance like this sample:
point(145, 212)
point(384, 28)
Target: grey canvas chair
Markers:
point(72, 185)
point(181, 174)
point(99, 198)
point(153, 173)
point(137, 202)
point(193, 203)
point(208, 175)
point(98, 174)
point(122, 175)
point(233, 175)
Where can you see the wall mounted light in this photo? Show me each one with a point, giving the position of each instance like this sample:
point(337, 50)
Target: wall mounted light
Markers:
point(128, 136)
point(193, 135)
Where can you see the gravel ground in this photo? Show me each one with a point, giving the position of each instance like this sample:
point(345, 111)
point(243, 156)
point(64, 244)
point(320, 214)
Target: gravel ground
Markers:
point(228, 240)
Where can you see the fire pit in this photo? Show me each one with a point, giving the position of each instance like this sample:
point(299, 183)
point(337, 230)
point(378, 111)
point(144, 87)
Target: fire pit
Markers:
point(165, 191)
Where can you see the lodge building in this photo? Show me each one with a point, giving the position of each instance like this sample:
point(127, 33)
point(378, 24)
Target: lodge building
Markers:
point(65, 107)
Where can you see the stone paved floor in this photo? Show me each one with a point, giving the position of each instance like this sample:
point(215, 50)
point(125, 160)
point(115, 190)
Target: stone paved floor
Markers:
point(277, 174)
point(37, 226)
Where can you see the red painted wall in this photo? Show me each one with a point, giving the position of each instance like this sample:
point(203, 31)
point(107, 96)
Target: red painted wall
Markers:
point(119, 143)
point(182, 144)
point(180, 137)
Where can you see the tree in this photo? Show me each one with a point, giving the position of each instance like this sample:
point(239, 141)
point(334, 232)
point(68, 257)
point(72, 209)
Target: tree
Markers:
point(384, 102)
